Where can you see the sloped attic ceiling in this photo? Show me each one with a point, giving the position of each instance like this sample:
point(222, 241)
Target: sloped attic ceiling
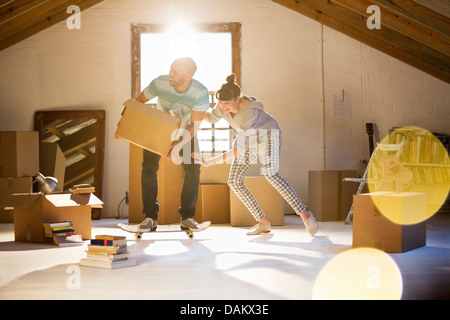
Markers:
point(20, 19)
point(416, 32)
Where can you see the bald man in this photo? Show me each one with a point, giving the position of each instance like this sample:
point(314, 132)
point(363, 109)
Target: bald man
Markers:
point(175, 91)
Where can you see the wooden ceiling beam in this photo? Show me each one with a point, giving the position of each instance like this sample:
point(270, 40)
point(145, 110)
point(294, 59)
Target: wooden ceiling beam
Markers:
point(37, 10)
point(11, 7)
point(404, 25)
point(386, 40)
point(414, 11)
point(31, 20)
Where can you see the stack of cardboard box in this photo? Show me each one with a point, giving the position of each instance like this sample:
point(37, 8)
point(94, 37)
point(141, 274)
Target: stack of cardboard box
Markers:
point(19, 163)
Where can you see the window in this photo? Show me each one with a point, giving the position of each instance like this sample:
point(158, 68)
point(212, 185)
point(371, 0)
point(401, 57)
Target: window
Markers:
point(214, 47)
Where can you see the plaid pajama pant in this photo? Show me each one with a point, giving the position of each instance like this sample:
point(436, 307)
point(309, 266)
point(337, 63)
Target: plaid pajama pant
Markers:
point(269, 155)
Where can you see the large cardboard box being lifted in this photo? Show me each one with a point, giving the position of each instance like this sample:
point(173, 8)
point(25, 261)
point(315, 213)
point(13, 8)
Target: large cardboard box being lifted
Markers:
point(19, 154)
point(147, 127)
point(31, 210)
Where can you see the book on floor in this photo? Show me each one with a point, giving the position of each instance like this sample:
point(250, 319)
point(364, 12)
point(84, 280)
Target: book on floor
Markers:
point(107, 256)
point(107, 251)
point(107, 264)
point(104, 242)
point(68, 241)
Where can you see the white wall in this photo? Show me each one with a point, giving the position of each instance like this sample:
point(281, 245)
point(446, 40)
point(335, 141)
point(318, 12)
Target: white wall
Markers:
point(281, 64)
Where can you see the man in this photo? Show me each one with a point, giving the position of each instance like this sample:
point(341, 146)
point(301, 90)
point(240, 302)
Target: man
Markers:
point(179, 92)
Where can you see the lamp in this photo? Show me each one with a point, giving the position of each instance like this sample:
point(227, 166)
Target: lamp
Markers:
point(48, 184)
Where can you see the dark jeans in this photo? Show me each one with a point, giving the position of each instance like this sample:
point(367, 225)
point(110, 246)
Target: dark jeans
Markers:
point(149, 183)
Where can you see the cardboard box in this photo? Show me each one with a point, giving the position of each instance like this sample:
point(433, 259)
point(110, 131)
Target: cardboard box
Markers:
point(52, 163)
point(215, 174)
point(147, 127)
point(330, 198)
point(268, 198)
point(31, 210)
point(19, 154)
point(213, 203)
point(323, 194)
point(9, 186)
point(170, 180)
point(372, 229)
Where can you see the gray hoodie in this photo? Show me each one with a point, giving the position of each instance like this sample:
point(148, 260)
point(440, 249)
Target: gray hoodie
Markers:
point(247, 122)
point(251, 116)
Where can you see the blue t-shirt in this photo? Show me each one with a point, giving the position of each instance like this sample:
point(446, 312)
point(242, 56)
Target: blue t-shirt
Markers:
point(196, 98)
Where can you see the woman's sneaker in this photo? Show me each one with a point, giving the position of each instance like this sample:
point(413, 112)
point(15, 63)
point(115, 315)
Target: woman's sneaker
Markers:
point(259, 228)
point(311, 224)
point(147, 225)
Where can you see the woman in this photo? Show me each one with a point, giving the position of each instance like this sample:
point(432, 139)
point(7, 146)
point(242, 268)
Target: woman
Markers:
point(258, 134)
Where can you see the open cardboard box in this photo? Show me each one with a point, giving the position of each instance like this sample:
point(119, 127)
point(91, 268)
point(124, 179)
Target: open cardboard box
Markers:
point(31, 210)
point(147, 127)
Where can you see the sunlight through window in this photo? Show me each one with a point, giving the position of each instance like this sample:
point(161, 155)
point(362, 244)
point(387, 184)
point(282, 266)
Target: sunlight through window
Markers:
point(212, 52)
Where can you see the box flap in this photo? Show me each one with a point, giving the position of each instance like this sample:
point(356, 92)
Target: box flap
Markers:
point(20, 200)
point(73, 200)
point(146, 109)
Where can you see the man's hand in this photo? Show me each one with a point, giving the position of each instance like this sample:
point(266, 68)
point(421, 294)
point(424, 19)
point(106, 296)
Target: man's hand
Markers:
point(168, 156)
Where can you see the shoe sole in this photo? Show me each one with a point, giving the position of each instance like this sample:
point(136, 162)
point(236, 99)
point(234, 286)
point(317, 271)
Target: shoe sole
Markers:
point(255, 234)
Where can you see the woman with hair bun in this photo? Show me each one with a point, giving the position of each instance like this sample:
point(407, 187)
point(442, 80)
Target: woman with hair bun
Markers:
point(258, 135)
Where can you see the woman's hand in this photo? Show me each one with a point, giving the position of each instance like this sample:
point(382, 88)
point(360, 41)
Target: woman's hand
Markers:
point(199, 159)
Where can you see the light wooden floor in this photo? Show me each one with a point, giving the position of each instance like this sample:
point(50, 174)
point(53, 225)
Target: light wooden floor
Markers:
point(219, 263)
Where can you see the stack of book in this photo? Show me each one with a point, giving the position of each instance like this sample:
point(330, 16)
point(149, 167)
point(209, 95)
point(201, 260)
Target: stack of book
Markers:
point(109, 252)
point(62, 228)
point(62, 233)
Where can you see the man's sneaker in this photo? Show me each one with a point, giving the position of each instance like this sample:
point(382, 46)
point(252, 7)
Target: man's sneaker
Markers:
point(259, 228)
point(311, 224)
point(147, 225)
point(192, 225)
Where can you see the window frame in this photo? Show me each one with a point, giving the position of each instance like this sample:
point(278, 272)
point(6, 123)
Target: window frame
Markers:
point(137, 29)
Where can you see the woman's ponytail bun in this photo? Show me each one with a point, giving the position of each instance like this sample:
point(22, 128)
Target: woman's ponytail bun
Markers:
point(231, 78)
point(229, 90)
